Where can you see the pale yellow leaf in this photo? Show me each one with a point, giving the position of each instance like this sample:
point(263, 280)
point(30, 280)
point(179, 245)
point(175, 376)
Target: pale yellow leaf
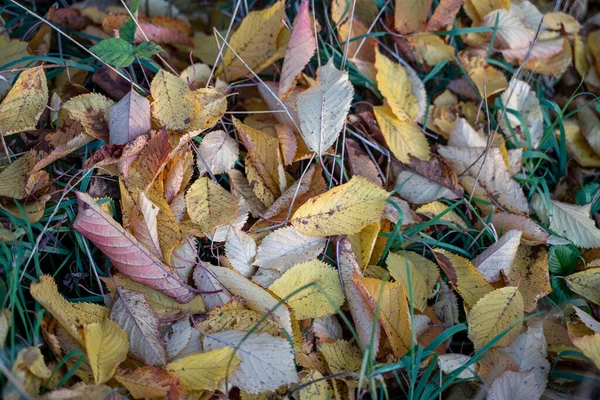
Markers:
point(341, 356)
point(316, 389)
point(171, 105)
point(404, 137)
point(423, 275)
point(209, 205)
point(477, 9)
point(345, 209)
point(395, 86)
point(450, 362)
point(23, 105)
point(430, 49)
point(578, 146)
point(586, 284)
point(496, 312)
point(145, 382)
point(311, 302)
point(511, 32)
point(590, 346)
point(205, 371)
point(435, 208)
point(515, 385)
point(521, 98)
point(363, 242)
point(208, 107)
point(106, 346)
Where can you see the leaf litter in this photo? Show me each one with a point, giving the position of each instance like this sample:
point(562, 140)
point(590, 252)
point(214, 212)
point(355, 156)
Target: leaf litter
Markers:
point(298, 200)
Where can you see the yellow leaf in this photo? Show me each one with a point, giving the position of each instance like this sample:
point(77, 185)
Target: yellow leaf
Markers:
point(590, 346)
point(363, 242)
point(394, 314)
point(310, 302)
point(209, 106)
point(5, 324)
point(477, 9)
point(394, 84)
point(463, 276)
point(209, 205)
point(423, 275)
point(345, 209)
point(578, 146)
point(146, 382)
point(257, 41)
point(430, 49)
point(580, 57)
point(341, 356)
point(204, 371)
point(223, 319)
point(410, 15)
point(91, 111)
point(71, 316)
point(529, 272)
point(435, 208)
point(494, 313)
point(317, 389)
point(106, 345)
point(164, 306)
point(586, 283)
point(23, 105)
point(404, 137)
point(171, 104)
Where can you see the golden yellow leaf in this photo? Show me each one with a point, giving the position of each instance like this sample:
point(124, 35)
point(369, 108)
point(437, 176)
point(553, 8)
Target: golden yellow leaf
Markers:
point(529, 272)
point(204, 371)
point(164, 306)
point(423, 275)
point(23, 105)
point(477, 9)
point(363, 242)
point(494, 313)
point(209, 205)
point(580, 57)
point(394, 313)
point(404, 137)
point(463, 276)
point(578, 146)
point(106, 345)
point(317, 389)
point(430, 49)
point(209, 106)
point(225, 318)
point(341, 356)
point(586, 283)
point(146, 382)
point(71, 316)
point(91, 111)
point(171, 104)
point(435, 208)
point(410, 15)
point(393, 82)
point(590, 346)
point(257, 41)
point(345, 209)
point(310, 302)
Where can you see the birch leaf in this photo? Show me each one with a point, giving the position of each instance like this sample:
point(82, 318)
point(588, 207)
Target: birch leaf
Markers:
point(403, 137)
point(129, 118)
point(301, 47)
point(345, 209)
point(125, 252)
point(240, 250)
point(310, 302)
point(106, 346)
point(394, 84)
point(209, 205)
point(209, 107)
point(144, 225)
point(266, 362)
point(494, 313)
point(286, 247)
point(23, 105)
point(217, 153)
point(133, 313)
point(322, 109)
point(170, 105)
point(569, 220)
point(499, 257)
point(205, 371)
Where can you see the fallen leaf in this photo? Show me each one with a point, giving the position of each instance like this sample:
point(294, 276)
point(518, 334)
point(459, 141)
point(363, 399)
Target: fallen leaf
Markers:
point(171, 105)
point(404, 137)
point(240, 249)
point(410, 15)
point(129, 118)
point(585, 283)
point(218, 153)
point(499, 257)
point(209, 205)
point(529, 272)
point(394, 84)
point(145, 382)
point(415, 272)
point(90, 110)
point(205, 371)
point(106, 346)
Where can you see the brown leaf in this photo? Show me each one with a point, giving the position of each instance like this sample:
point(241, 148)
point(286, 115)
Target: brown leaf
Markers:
point(69, 18)
point(361, 164)
point(125, 252)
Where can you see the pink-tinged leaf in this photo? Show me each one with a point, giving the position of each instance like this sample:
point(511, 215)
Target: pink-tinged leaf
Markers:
point(150, 162)
point(287, 142)
point(125, 252)
point(540, 50)
point(301, 47)
point(129, 118)
point(444, 14)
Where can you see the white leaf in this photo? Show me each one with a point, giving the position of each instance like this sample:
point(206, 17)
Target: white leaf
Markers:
point(184, 258)
point(322, 109)
point(129, 118)
point(569, 220)
point(511, 33)
point(417, 189)
point(498, 257)
point(133, 313)
point(240, 250)
point(213, 294)
point(450, 362)
point(282, 249)
point(265, 277)
point(183, 339)
point(266, 362)
point(144, 224)
point(524, 350)
point(463, 135)
point(520, 98)
point(515, 386)
point(219, 151)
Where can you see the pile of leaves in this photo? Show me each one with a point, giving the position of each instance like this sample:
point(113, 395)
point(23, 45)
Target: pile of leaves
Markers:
point(303, 200)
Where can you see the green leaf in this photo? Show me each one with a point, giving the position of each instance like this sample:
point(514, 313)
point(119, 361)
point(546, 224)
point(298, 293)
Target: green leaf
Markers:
point(128, 29)
point(115, 51)
point(562, 259)
point(147, 49)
